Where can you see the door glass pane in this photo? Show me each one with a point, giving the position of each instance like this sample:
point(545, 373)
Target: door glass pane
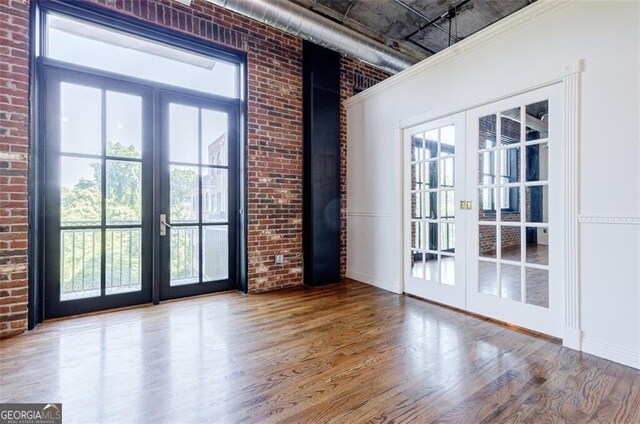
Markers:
point(488, 278)
point(417, 205)
point(487, 201)
point(214, 137)
point(538, 162)
point(448, 141)
point(418, 235)
point(432, 236)
point(80, 264)
point(431, 206)
point(537, 287)
point(417, 143)
point(510, 243)
point(185, 196)
point(447, 204)
point(183, 134)
point(448, 237)
point(488, 166)
point(511, 282)
point(431, 267)
point(214, 195)
point(510, 126)
point(81, 119)
point(123, 260)
point(537, 120)
point(124, 192)
point(417, 176)
point(124, 125)
point(447, 172)
point(509, 165)
point(431, 174)
point(447, 270)
point(431, 144)
point(487, 132)
point(510, 203)
point(81, 191)
point(537, 245)
point(185, 261)
point(417, 264)
point(215, 252)
point(537, 198)
point(487, 241)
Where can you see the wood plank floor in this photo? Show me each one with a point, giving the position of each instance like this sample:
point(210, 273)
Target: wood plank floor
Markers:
point(345, 354)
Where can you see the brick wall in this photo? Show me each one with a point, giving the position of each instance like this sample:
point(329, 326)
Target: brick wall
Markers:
point(14, 144)
point(274, 138)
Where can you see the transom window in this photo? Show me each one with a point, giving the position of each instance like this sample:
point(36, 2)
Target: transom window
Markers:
point(99, 47)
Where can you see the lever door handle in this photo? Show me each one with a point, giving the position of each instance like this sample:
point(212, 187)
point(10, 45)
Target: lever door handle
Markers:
point(163, 224)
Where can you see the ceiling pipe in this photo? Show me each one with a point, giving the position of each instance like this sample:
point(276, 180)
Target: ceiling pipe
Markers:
point(298, 21)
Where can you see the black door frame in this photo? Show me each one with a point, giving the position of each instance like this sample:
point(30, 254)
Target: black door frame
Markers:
point(36, 180)
point(166, 290)
point(53, 77)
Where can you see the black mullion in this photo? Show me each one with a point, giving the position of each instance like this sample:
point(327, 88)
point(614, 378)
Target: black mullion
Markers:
point(200, 279)
point(103, 187)
point(81, 155)
point(200, 164)
point(124, 159)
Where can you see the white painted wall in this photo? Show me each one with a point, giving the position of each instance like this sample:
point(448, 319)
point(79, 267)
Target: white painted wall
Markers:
point(605, 34)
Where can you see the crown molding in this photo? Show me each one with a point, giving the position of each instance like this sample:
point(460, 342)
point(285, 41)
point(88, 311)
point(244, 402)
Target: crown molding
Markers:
point(609, 219)
point(515, 20)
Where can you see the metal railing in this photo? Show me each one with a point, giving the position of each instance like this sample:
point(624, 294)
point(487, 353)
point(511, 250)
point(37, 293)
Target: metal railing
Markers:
point(80, 262)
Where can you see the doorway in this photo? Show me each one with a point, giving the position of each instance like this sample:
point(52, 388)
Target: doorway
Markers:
point(483, 232)
point(141, 178)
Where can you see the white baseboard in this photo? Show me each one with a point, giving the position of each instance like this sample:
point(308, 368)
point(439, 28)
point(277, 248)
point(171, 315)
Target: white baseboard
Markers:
point(613, 353)
point(572, 338)
point(391, 286)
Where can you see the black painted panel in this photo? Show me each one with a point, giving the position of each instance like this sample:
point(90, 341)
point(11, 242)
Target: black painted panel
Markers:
point(321, 196)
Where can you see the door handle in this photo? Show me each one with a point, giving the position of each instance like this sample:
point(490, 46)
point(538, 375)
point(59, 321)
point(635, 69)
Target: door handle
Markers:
point(163, 224)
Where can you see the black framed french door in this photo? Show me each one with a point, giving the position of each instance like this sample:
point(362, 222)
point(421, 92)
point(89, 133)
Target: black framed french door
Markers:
point(141, 192)
point(198, 195)
point(98, 169)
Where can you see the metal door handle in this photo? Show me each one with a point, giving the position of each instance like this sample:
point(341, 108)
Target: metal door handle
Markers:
point(163, 224)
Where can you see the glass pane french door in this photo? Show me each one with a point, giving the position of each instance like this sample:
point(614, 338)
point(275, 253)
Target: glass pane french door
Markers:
point(434, 228)
point(198, 206)
point(515, 258)
point(98, 159)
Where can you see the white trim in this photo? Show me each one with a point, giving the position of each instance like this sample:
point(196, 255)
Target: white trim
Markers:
point(521, 17)
point(541, 80)
point(571, 84)
point(388, 285)
point(609, 219)
point(613, 353)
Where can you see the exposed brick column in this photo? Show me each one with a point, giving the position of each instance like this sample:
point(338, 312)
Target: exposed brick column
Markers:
point(14, 146)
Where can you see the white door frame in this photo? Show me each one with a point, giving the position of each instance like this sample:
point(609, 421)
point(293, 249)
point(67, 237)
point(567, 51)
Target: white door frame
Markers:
point(569, 75)
point(543, 320)
point(437, 291)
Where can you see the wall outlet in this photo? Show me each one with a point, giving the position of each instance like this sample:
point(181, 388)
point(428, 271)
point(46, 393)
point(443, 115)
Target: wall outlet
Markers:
point(279, 259)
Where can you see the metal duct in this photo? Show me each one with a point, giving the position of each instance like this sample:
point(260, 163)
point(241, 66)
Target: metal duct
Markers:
point(296, 20)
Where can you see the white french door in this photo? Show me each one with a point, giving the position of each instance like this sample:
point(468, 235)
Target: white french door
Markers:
point(506, 208)
point(434, 255)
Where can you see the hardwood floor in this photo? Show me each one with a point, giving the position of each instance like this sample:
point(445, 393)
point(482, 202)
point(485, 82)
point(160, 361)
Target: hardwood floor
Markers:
point(346, 354)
